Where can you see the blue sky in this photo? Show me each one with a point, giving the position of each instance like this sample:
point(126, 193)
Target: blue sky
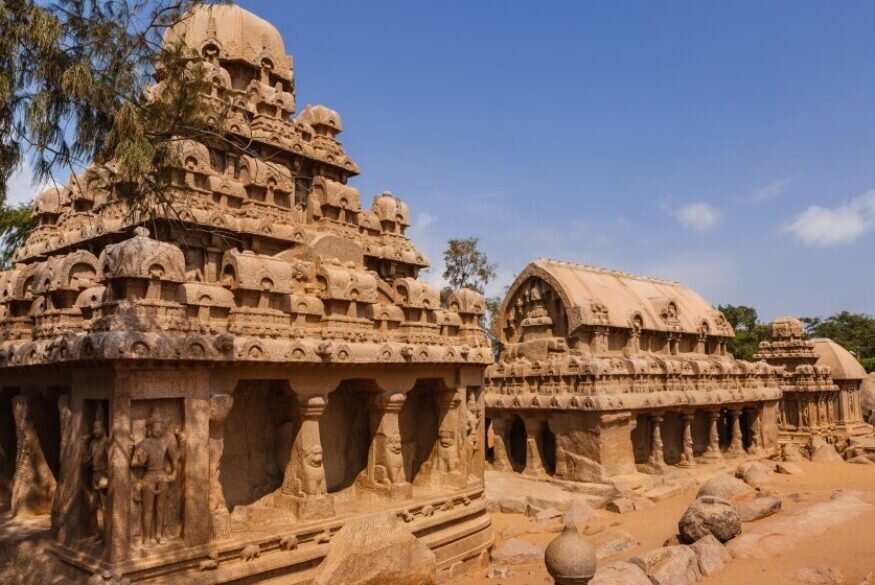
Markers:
point(727, 145)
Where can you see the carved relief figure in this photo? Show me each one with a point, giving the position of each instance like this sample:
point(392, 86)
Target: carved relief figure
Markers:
point(97, 459)
point(159, 457)
point(392, 471)
point(312, 479)
point(448, 454)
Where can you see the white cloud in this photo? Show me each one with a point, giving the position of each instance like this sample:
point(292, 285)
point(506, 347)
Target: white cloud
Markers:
point(20, 188)
point(822, 227)
point(770, 191)
point(698, 216)
point(423, 220)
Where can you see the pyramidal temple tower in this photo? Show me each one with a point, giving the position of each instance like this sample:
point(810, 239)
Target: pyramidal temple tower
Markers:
point(209, 396)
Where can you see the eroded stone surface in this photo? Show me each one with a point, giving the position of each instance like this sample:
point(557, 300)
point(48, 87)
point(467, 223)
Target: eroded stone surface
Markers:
point(711, 554)
point(670, 565)
point(759, 508)
point(375, 550)
point(728, 488)
point(620, 573)
point(709, 515)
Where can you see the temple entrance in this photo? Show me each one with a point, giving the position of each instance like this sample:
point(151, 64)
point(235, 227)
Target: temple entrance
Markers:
point(258, 436)
point(8, 446)
point(672, 437)
point(641, 438)
point(345, 432)
point(47, 422)
point(746, 435)
point(724, 428)
point(517, 439)
point(548, 448)
point(419, 426)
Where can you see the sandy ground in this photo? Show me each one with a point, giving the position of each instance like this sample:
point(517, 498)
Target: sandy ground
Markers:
point(849, 547)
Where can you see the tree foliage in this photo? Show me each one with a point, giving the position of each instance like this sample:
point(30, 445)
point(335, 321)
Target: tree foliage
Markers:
point(466, 266)
point(15, 224)
point(749, 332)
point(77, 85)
point(853, 331)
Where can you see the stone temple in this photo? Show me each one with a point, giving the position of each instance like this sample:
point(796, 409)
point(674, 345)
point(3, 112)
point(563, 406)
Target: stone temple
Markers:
point(212, 404)
point(605, 375)
point(235, 388)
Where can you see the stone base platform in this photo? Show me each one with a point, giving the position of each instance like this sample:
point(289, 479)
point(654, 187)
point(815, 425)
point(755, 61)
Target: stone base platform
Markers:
point(458, 529)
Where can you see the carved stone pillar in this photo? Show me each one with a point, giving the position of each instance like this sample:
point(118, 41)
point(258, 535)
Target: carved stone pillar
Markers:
point(448, 464)
point(501, 447)
point(657, 457)
point(713, 450)
point(736, 447)
point(756, 431)
point(220, 518)
point(386, 461)
point(119, 493)
point(534, 443)
point(304, 488)
point(687, 456)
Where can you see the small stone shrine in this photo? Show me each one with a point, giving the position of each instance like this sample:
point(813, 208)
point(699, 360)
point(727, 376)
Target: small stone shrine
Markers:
point(212, 404)
point(606, 374)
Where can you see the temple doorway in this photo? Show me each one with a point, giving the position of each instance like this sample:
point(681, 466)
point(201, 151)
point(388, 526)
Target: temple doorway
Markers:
point(517, 436)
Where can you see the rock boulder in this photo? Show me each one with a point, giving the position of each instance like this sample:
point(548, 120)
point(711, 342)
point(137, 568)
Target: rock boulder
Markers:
point(826, 453)
point(670, 565)
point(754, 473)
point(727, 488)
point(711, 554)
point(516, 551)
point(759, 508)
point(620, 573)
point(709, 515)
point(375, 550)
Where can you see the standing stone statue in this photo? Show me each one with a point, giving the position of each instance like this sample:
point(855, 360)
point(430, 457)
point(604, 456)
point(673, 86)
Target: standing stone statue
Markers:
point(160, 459)
point(97, 458)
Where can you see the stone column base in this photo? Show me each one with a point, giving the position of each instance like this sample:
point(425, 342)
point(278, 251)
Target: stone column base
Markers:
point(306, 507)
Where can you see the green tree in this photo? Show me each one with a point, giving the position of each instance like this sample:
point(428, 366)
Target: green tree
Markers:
point(466, 266)
point(749, 332)
point(78, 86)
point(853, 331)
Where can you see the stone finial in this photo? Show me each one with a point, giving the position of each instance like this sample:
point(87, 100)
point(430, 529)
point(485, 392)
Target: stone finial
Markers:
point(569, 558)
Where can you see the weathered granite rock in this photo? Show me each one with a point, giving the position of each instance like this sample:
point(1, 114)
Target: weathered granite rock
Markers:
point(711, 554)
point(516, 551)
point(759, 508)
point(791, 453)
point(613, 542)
point(754, 473)
point(374, 550)
point(826, 454)
point(709, 515)
point(787, 468)
point(620, 573)
point(513, 494)
point(727, 488)
point(818, 575)
point(670, 565)
point(782, 533)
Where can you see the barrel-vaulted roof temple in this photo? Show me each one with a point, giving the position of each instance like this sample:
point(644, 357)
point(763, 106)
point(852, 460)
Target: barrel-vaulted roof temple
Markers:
point(210, 394)
point(606, 374)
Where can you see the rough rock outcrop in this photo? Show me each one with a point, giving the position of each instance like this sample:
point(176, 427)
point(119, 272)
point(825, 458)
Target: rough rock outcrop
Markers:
point(727, 488)
point(791, 453)
point(754, 473)
point(712, 555)
point(709, 515)
point(670, 565)
point(787, 468)
point(516, 551)
point(818, 575)
point(620, 573)
point(374, 550)
point(759, 508)
point(826, 454)
point(613, 542)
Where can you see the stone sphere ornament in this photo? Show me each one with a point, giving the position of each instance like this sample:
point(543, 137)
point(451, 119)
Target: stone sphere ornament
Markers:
point(569, 558)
